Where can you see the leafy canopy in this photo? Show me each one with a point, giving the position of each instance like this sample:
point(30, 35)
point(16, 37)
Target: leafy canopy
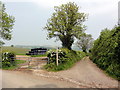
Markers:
point(6, 24)
point(85, 42)
point(106, 51)
point(66, 23)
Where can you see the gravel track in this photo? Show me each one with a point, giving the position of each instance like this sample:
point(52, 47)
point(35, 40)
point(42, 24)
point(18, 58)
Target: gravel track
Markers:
point(17, 79)
point(84, 74)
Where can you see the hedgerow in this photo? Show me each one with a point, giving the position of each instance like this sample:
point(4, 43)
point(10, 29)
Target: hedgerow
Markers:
point(106, 52)
point(67, 58)
point(8, 59)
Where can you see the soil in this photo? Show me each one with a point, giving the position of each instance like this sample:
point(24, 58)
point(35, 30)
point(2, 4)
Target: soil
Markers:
point(83, 74)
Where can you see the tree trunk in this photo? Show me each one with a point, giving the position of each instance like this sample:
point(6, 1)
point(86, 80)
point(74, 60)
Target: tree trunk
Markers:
point(67, 42)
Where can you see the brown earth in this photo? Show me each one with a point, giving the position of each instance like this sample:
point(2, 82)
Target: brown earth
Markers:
point(83, 74)
point(17, 79)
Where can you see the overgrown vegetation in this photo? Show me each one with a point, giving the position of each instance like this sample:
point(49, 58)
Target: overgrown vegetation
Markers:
point(16, 66)
point(67, 58)
point(106, 52)
point(9, 61)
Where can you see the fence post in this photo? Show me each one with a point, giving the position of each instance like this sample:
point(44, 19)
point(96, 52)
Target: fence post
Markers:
point(57, 56)
point(1, 56)
point(48, 61)
point(29, 61)
point(37, 63)
point(1, 51)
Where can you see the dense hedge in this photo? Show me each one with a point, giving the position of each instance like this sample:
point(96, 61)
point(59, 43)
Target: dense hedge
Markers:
point(106, 52)
point(8, 59)
point(67, 59)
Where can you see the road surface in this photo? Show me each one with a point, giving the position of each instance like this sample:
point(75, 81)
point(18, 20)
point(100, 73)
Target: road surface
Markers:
point(0, 79)
point(84, 73)
point(15, 79)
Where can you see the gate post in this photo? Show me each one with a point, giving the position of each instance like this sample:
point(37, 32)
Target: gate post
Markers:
point(48, 61)
point(29, 61)
point(57, 56)
point(37, 63)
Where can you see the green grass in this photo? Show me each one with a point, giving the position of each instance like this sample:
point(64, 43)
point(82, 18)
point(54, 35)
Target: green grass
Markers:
point(70, 59)
point(39, 55)
point(22, 54)
point(17, 51)
point(9, 68)
point(20, 61)
point(14, 67)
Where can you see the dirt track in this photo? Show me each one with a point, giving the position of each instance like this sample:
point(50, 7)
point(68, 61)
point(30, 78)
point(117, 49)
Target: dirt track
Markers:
point(84, 73)
point(15, 79)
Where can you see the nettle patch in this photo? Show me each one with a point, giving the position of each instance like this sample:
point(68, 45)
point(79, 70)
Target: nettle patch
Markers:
point(8, 59)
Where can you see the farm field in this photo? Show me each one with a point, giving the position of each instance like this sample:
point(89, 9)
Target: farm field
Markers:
point(16, 50)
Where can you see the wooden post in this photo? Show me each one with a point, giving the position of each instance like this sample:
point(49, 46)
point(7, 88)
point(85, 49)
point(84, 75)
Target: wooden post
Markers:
point(57, 56)
point(29, 61)
point(1, 56)
point(48, 61)
point(37, 63)
point(1, 50)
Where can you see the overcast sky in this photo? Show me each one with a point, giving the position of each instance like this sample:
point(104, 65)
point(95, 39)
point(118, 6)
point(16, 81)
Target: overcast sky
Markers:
point(31, 16)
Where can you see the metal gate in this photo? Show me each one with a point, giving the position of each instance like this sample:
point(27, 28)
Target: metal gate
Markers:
point(33, 62)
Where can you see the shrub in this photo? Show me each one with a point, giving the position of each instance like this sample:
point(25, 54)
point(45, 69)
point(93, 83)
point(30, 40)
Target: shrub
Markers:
point(106, 52)
point(61, 55)
point(67, 58)
point(8, 59)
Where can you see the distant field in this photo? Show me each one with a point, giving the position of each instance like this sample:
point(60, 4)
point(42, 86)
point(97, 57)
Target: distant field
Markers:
point(18, 51)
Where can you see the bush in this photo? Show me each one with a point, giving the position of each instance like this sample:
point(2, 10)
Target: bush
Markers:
point(8, 59)
point(106, 52)
point(67, 58)
point(61, 55)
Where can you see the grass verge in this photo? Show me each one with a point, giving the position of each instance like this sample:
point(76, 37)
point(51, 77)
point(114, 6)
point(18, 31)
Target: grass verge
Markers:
point(14, 67)
point(45, 55)
point(69, 60)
